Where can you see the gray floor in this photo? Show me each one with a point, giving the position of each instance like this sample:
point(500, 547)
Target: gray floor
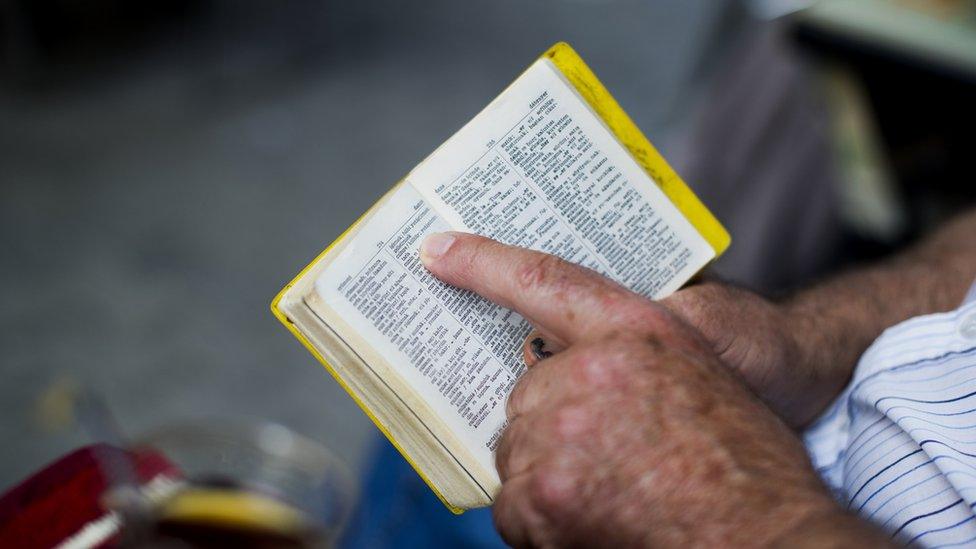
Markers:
point(149, 213)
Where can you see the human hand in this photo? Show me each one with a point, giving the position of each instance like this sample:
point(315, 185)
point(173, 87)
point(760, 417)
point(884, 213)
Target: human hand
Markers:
point(776, 348)
point(636, 433)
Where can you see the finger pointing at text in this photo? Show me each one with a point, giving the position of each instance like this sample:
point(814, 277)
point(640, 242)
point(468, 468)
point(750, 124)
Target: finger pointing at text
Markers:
point(635, 433)
point(570, 302)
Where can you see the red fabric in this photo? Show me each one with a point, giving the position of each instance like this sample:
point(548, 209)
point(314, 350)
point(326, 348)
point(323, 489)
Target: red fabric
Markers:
point(58, 501)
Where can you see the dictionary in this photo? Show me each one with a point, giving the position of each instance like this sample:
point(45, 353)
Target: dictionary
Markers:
point(553, 164)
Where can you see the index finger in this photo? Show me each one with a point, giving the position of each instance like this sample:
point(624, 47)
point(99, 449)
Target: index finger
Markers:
point(566, 300)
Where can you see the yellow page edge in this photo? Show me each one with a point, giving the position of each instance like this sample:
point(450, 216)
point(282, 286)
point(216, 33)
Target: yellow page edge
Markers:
point(280, 315)
point(606, 107)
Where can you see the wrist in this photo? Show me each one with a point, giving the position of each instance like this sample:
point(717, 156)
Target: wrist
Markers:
point(821, 356)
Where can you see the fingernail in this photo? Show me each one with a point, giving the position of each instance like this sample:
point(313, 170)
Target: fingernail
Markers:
point(434, 246)
point(537, 345)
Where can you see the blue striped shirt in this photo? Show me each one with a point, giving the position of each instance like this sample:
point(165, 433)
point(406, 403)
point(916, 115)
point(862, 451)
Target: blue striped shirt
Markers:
point(898, 447)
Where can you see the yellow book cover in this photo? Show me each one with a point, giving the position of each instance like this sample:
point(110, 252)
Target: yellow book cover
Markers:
point(421, 427)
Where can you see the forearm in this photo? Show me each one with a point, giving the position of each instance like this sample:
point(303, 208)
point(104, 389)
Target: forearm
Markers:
point(837, 320)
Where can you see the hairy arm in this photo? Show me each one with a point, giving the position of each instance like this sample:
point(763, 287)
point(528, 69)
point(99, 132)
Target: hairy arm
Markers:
point(853, 309)
point(799, 352)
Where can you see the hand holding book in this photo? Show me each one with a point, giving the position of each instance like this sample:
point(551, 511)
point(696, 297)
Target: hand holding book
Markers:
point(636, 434)
point(781, 350)
point(552, 164)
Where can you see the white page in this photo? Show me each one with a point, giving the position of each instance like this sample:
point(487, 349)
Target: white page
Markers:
point(459, 352)
point(537, 168)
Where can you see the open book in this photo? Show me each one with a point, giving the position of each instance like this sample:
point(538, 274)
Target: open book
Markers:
point(551, 164)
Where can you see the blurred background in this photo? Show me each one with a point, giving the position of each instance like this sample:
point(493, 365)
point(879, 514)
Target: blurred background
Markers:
point(167, 166)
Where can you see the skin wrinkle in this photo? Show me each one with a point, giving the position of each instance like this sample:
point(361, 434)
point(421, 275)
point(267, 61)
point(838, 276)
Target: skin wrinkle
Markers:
point(641, 430)
point(678, 473)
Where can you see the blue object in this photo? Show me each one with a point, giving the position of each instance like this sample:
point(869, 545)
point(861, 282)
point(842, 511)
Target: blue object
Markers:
point(397, 509)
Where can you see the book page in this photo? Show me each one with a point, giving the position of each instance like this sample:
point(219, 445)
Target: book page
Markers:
point(459, 352)
point(539, 169)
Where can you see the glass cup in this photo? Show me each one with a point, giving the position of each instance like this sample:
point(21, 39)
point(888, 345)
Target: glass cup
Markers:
point(236, 484)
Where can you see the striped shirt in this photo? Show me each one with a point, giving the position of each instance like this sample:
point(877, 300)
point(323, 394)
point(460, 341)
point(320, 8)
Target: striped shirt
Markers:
point(898, 447)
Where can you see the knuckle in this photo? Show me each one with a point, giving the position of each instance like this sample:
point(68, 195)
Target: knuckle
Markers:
point(505, 515)
point(511, 449)
point(553, 491)
point(599, 366)
point(539, 270)
point(503, 457)
point(499, 511)
point(571, 423)
point(599, 373)
point(517, 399)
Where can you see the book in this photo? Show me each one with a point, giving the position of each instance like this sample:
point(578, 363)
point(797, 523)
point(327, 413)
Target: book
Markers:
point(553, 164)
